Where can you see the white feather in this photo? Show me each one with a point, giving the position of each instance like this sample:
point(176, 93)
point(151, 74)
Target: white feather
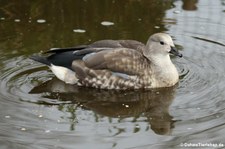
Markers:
point(64, 74)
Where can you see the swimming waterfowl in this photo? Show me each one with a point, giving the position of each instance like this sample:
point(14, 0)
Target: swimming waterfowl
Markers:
point(116, 64)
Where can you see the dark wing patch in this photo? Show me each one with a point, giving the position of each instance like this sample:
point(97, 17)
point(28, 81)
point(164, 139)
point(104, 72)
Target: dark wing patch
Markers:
point(40, 59)
point(63, 59)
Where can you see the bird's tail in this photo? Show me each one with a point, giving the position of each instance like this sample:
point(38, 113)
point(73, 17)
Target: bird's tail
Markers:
point(40, 59)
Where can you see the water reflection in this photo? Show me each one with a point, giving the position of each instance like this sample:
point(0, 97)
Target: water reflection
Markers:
point(190, 5)
point(132, 20)
point(198, 106)
point(152, 104)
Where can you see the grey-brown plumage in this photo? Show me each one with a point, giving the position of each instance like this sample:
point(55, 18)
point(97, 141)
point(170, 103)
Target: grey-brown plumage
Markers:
point(116, 64)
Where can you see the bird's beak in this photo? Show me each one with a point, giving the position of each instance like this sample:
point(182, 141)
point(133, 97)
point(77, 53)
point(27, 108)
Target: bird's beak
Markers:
point(175, 52)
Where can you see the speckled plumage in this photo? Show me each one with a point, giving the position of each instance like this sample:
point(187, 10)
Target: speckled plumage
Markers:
point(117, 64)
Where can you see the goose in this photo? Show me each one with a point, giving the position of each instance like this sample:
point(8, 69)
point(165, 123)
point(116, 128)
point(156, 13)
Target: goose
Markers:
point(116, 64)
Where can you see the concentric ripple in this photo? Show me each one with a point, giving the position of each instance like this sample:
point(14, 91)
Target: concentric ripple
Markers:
point(199, 97)
point(20, 75)
point(201, 80)
point(39, 111)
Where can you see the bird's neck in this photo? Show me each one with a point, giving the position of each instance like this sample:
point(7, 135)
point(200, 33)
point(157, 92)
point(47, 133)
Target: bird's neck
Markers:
point(165, 72)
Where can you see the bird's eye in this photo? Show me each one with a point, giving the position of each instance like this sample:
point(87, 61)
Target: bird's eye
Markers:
point(162, 43)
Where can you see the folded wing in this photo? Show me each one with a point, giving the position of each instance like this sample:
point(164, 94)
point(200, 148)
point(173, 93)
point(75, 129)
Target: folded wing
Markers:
point(115, 61)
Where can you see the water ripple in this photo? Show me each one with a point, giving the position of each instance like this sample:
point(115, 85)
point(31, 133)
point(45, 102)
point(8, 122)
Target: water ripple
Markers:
point(20, 75)
point(197, 106)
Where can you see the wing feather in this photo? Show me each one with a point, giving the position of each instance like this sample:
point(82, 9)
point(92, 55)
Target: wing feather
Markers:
point(122, 60)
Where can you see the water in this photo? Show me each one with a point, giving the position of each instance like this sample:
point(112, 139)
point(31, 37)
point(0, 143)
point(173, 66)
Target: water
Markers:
point(38, 111)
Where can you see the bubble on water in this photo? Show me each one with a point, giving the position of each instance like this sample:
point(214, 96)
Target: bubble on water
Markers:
point(23, 129)
point(191, 93)
point(17, 20)
point(40, 116)
point(176, 11)
point(29, 20)
point(217, 116)
point(47, 131)
point(107, 23)
point(2, 18)
point(41, 21)
point(79, 30)
point(137, 126)
point(7, 116)
point(157, 27)
point(127, 106)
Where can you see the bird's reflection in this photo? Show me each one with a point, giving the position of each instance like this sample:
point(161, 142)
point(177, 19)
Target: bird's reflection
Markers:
point(190, 5)
point(152, 104)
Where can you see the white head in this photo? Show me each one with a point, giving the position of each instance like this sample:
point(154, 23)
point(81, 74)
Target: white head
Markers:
point(160, 45)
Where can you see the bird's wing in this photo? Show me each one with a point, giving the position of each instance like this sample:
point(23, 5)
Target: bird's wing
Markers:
point(65, 56)
point(118, 60)
point(61, 50)
point(101, 44)
point(132, 44)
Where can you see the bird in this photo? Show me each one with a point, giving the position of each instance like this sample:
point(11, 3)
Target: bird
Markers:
point(115, 64)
